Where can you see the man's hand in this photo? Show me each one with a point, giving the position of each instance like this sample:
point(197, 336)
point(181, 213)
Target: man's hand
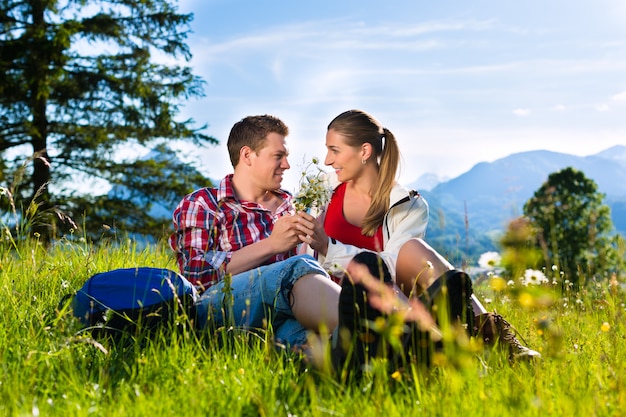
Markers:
point(285, 236)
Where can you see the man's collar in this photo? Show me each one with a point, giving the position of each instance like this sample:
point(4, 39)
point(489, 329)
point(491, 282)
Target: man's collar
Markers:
point(226, 191)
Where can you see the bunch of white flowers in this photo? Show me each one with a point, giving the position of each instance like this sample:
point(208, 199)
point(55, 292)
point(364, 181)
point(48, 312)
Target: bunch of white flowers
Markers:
point(314, 190)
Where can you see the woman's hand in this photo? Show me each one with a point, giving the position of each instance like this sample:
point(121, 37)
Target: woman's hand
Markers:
point(313, 232)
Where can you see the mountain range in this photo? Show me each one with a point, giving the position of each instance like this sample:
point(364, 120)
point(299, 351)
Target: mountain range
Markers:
point(469, 212)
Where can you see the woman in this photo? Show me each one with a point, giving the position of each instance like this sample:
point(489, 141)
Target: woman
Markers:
point(369, 210)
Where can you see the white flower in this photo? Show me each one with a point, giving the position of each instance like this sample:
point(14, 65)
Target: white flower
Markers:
point(533, 277)
point(314, 189)
point(489, 260)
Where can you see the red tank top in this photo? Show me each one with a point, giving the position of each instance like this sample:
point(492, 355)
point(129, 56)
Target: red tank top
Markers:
point(337, 227)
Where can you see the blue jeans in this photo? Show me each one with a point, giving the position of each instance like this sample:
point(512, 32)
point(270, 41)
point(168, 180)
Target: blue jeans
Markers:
point(259, 298)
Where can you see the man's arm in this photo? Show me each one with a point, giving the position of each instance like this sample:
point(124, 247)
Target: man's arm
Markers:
point(197, 238)
point(284, 237)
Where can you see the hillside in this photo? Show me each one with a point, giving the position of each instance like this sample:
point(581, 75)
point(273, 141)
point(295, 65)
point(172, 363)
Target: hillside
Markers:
point(490, 194)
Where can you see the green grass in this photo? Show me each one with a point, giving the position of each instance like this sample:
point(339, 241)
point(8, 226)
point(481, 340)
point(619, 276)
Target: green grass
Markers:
point(49, 367)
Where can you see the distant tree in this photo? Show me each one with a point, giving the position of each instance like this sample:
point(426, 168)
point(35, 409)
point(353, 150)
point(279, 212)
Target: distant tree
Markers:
point(573, 225)
point(81, 80)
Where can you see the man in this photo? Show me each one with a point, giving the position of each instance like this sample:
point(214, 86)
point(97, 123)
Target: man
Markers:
point(245, 229)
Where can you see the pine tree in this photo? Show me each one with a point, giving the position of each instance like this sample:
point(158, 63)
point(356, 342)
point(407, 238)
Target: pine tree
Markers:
point(81, 80)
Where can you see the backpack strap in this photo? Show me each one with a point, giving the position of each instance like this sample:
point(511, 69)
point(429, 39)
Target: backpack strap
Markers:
point(412, 194)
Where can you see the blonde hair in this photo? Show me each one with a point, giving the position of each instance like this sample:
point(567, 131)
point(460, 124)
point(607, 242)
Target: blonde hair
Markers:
point(359, 127)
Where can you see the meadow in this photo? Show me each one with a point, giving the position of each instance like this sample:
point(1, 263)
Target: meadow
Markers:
point(49, 366)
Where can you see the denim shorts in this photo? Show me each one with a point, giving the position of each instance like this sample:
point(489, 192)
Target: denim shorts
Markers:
point(259, 298)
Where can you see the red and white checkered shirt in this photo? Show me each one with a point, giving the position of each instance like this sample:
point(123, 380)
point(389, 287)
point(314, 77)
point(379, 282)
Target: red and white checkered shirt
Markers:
point(211, 223)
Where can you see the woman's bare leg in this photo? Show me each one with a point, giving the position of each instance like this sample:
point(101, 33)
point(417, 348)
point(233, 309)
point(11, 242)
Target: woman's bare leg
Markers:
point(419, 265)
point(315, 298)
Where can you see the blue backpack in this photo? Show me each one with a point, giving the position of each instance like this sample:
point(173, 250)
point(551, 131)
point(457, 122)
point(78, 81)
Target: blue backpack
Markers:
point(132, 300)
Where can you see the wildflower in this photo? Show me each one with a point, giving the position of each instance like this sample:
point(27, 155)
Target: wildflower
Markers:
point(397, 376)
point(314, 190)
point(489, 260)
point(379, 323)
point(605, 327)
point(526, 300)
point(439, 359)
point(497, 284)
point(534, 277)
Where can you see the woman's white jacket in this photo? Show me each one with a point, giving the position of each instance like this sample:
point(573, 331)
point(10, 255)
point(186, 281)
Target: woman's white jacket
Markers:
point(406, 218)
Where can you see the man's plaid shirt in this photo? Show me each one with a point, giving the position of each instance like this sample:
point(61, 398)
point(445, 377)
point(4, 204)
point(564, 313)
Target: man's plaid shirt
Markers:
point(211, 223)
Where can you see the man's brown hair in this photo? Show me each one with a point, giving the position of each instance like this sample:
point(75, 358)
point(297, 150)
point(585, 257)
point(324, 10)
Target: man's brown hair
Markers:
point(252, 131)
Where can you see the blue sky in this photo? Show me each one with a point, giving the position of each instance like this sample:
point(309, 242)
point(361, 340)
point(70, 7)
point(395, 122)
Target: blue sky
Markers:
point(458, 82)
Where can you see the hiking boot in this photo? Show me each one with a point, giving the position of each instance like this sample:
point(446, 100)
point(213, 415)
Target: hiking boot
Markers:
point(494, 329)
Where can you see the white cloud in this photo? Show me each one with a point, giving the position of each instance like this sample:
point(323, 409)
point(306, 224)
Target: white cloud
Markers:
point(619, 96)
point(325, 35)
point(602, 107)
point(521, 112)
point(559, 107)
point(277, 67)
